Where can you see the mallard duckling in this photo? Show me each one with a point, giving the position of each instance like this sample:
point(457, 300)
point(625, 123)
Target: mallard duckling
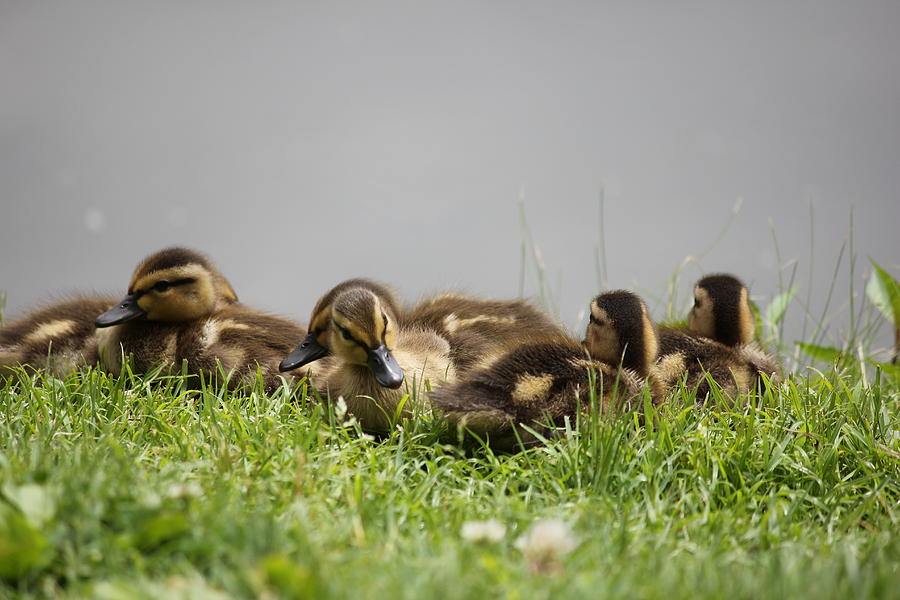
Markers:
point(721, 310)
point(179, 308)
point(479, 330)
point(719, 343)
point(550, 381)
point(59, 337)
point(370, 357)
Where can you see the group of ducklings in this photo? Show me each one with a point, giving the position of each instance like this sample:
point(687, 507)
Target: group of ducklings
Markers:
point(489, 366)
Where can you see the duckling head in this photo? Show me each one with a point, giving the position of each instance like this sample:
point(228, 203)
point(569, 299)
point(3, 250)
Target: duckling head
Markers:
point(620, 332)
point(357, 322)
point(721, 310)
point(172, 285)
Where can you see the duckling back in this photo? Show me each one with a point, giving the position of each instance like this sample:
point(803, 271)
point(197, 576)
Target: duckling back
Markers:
point(59, 336)
point(538, 385)
point(480, 330)
point(235, 340)
point(736, 370)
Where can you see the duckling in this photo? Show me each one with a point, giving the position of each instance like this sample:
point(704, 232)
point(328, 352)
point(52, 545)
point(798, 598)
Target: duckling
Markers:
point(180, 308)
point(59, 337)
point(370, 356)
point(551, 380)
point(479, 331)
point(721, 310)
point(720, 341)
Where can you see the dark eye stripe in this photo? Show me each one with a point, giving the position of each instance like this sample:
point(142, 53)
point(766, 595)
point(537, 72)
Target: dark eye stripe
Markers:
point(161, 286)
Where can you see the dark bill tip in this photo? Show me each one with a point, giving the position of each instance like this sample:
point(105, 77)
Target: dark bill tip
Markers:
point(126, 310)
point(308, 351)
point(385, 368)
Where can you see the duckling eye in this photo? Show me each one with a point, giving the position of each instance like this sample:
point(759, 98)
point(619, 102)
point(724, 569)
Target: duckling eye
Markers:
point(161, 286)
point(346, 333)
point(596, 321)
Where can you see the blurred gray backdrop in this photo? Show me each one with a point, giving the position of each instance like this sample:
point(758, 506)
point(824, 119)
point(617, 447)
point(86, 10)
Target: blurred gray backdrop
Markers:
point(302, 143)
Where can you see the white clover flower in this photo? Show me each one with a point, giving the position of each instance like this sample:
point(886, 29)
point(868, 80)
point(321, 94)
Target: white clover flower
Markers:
point(545, 543)
point(477, 532)
point(191, 489)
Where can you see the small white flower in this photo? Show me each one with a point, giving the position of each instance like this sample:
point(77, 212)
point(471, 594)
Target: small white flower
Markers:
point(190, 489)
point(545, 543)
point(490, 531)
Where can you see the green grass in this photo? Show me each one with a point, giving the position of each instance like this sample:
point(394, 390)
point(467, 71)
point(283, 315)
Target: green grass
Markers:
point(136, 488)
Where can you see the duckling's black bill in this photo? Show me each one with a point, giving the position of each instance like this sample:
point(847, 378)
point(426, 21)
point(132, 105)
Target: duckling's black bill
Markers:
point(385, 368)
point(126, 310)
point(308, 351)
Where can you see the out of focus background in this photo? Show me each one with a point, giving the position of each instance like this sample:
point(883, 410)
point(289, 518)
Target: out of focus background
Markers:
point(302, 143)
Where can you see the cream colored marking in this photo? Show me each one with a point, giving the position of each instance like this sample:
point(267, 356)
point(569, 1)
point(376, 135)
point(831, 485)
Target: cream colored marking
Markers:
point(453, 324)
point(651, 344)
point(232, 324)
point(171, 347)
point(209, 333)
point(701, 319)
point(487, 359)
point(746, 326)
point(46, 331)
point(377, 321)
point(531, 388)
point(109, 350)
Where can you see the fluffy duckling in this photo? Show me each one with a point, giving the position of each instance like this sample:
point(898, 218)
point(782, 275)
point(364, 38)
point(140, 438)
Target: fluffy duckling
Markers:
point(179, 308)
point(370, 357)
point(479, 331)
point(721, 310)
point(59, 337)
point(551, 380)
point(720, 341)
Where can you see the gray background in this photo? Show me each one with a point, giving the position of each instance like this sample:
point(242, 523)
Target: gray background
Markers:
point(303, 143)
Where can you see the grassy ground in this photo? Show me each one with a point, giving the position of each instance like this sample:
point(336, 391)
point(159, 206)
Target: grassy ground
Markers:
point(134, 488)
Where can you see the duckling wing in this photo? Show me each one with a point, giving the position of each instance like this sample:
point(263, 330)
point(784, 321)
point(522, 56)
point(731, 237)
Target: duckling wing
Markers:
point(734, 369)
point(480, 330)
point(242, 341)
point(537, 384)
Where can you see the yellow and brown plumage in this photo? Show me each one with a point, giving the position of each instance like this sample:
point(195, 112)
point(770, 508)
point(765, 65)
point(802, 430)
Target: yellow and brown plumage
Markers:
point(550, 381)
point(364, 351)
point(59, 337)
point(181, 310)
point(719, 343)
point(481, 330)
